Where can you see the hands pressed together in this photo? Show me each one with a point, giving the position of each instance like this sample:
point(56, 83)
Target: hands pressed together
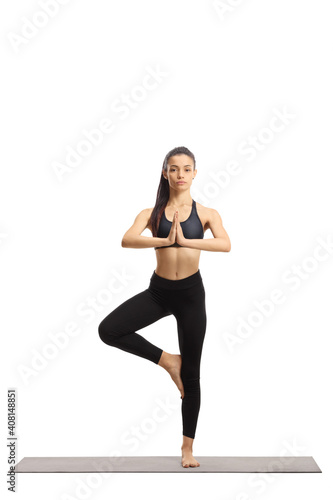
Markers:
point(176, 232)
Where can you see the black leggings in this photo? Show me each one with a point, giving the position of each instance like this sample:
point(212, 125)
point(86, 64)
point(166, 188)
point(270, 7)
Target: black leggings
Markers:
point(185, 299)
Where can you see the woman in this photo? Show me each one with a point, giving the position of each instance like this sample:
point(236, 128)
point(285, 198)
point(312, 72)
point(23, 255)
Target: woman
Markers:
point(177, 224)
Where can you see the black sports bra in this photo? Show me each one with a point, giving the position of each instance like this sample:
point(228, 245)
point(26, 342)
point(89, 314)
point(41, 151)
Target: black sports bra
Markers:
point(192, 227)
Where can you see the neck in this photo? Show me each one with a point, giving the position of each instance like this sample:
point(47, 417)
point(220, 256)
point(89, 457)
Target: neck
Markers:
point(178, 199)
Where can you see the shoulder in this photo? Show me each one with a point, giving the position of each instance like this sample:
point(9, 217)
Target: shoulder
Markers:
point(143, 217)
point(149, 212)
point(206, 212)
point(207, 215)
point(142, 220)
point(145, 213)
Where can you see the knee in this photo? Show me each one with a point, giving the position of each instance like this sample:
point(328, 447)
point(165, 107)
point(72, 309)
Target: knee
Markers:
point(105, 333)
point(102, 331)
point(191, 386)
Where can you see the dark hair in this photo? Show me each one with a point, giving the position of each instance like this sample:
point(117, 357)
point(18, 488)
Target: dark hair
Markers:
point(163, 190)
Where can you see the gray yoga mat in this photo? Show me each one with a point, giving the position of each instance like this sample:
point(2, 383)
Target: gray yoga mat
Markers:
point(166, 464)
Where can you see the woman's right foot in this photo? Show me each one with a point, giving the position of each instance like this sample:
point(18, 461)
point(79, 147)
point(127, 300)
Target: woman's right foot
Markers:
point(172, 364)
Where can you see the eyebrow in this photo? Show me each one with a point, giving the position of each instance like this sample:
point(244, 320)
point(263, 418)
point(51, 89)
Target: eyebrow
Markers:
point(177, 166)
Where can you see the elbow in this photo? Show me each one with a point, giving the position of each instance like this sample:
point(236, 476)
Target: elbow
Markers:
point(128, 242)
point(227, 247)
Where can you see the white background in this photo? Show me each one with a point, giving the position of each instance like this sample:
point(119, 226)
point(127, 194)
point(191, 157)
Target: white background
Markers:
point(224, 76)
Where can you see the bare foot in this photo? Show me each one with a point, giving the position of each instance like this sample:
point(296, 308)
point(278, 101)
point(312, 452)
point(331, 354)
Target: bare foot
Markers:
point(188, 459)
point(172, 364)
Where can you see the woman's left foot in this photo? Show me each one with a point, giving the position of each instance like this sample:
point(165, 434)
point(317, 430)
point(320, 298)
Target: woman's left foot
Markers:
point(188, 459)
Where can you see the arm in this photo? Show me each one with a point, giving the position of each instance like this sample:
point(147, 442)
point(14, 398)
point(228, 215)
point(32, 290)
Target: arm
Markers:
point(220, 242)
point(133, 239)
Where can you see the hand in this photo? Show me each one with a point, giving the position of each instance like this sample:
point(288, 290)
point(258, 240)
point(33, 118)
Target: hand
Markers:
point(180, 238)
point(171, 238)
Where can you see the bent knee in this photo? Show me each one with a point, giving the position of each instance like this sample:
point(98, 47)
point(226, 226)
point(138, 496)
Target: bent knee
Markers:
point(101, 330)
point(106, 334)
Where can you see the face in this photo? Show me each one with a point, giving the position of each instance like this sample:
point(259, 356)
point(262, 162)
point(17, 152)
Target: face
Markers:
point(180, 169)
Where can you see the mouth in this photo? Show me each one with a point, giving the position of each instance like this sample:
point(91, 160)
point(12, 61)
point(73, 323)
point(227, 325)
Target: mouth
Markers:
point(181, 182)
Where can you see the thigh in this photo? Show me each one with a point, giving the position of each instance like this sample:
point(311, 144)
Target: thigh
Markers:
point(135, 313)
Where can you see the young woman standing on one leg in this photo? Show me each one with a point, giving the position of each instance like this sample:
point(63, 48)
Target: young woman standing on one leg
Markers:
point(177, 224)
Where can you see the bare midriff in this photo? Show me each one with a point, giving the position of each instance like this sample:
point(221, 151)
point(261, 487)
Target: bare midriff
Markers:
point(176, 263)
